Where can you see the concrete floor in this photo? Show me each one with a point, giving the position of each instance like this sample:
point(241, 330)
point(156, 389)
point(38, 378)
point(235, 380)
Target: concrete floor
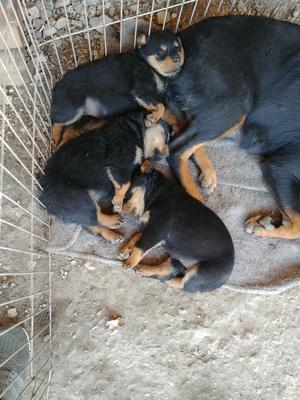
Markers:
point(218, 346)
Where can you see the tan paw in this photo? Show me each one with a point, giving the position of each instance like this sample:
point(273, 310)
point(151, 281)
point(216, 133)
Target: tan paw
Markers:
point(124, 252)
point(257, 224)
point(115, 237)
point(150, 121)
point(208, 182)
point(115, 221)
point(128, 264)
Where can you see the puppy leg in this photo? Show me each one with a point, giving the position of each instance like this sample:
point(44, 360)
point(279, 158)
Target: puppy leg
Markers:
point(56, 133)
point(156, 113)
point(179, 282)
point(112, 221)
point(162, 270)
point(126, 248)
point(208, 177)
point(143, 245)
point(267, 226)
point(107, 234)
point(277, 173)
point(120, 191)
point(180, 165)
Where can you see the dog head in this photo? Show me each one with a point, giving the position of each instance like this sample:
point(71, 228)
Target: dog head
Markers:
point(141, 189)
point(163, 51)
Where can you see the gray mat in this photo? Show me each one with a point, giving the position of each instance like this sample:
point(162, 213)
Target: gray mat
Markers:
point(262, 264)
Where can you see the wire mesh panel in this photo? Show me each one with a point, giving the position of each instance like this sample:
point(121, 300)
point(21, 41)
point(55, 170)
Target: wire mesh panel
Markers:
point(39, 41)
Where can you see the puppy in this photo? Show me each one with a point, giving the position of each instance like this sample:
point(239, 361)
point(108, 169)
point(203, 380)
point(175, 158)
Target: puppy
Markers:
point(198, 243)
point(119, 83)
point(243, 72)
point(96, 168)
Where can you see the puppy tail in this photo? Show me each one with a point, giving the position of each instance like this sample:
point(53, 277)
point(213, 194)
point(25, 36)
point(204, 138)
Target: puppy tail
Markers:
point(68, 202)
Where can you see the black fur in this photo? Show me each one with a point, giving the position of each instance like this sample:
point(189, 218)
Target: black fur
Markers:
point(112, 82)
point(244, 66)
point(191, 232)
point(81, 165)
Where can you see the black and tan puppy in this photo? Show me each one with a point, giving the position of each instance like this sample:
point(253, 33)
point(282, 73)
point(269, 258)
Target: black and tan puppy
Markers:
point(118, 84)
point(243, 72)
point(197, 241)
point(98, 167)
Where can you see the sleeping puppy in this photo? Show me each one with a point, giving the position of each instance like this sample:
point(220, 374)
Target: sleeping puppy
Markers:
point(119, 83)
point(243, 72)
point(197, 241)
point(97, 167)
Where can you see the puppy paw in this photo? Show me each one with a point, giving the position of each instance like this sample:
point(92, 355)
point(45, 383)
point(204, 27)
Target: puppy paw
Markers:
point(115, 237)
point(150, 121)
point(116, 221)
point(124, 252)
point(117, 207)
point(128, 264)
point(255, 225)
point(208, 182)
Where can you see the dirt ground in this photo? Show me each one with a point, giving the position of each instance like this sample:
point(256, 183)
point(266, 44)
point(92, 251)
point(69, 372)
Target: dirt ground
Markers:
point(172, 346)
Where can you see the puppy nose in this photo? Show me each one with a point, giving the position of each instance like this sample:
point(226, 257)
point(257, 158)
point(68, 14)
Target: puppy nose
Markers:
point(176, 60)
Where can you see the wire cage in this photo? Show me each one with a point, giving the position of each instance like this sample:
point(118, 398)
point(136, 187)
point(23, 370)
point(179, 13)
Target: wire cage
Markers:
point(39, 41)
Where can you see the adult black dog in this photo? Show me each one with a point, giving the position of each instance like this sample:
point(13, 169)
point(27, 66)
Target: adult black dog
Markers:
point(243, 72)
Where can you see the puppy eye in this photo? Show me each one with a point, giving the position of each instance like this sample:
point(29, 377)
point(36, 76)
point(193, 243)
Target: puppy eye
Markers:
point(161, 56)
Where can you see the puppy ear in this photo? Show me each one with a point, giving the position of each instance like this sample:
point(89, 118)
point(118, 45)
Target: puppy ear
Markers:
point(146, 167)
point(141, 40)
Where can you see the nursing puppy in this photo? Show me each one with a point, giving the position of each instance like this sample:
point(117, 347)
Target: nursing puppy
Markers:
point(119, 83)
point(97, 167)
point(243, 72)
point(197, 241)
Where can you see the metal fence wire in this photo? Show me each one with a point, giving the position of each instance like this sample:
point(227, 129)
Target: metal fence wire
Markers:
point(39, 41)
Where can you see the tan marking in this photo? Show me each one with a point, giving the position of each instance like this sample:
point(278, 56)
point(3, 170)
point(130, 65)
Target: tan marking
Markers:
point(119, 196)
point(120, 191)
point(147, 166)
point(112, 221)
point(129, 245)
point(159, 83)
point(134, 258)
point(145, 217)
point(184, 173)
point(178, 283)
point(136, 204)
point(138, 155)
point(56, 133)
point(69, 134)
point(176, 44)
point(177, 126)
point(156, 111)
point(154, 139)
point(208, 171)
point(141, 40)
point(185, 176)
point(165, 67)
point(106, 233)
point(290, 228)
point(163, 269)
point(163, 47)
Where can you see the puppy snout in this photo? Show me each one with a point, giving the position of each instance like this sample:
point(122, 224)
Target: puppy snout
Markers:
point(177, 60)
